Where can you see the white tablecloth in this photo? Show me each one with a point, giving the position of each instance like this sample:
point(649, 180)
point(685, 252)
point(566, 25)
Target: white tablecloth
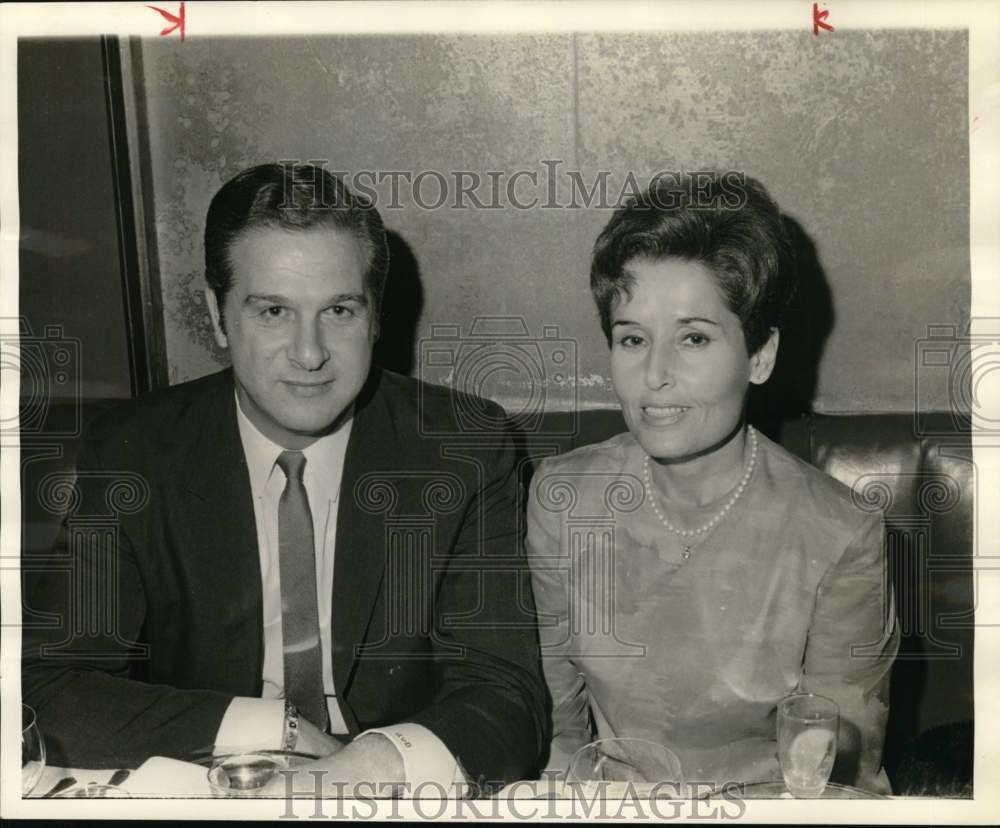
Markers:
point(157, 776)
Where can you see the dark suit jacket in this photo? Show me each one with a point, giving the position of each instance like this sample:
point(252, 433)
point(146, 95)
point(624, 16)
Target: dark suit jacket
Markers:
point(146, 621)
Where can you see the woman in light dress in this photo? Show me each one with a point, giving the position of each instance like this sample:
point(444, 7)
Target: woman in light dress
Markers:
point(689, 572)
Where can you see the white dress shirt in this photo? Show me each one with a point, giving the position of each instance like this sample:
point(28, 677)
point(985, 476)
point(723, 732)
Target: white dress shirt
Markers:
point(259, 723)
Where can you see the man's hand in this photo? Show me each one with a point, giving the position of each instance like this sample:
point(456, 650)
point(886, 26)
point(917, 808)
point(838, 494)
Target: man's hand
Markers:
point(313, 740)
point(370, 759)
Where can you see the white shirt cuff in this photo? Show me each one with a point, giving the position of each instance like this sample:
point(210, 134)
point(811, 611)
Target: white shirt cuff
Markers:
point(251, 724)
point(427, 762)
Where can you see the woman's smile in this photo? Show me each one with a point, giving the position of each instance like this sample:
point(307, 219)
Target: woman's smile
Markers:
point(663, 415)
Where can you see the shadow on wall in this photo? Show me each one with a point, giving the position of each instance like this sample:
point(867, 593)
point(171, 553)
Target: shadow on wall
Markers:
point(791, 390)
point(402, 304)
point(789, 393)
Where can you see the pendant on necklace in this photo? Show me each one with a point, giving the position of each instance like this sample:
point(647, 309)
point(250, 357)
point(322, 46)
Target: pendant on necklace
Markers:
point(686, 554)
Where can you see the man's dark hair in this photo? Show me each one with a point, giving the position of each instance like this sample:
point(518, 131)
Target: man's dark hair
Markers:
point(725, 221)
point(291, 197)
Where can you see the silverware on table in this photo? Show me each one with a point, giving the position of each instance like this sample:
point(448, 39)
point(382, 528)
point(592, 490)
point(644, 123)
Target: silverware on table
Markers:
point(119, 776)
point(61, 785)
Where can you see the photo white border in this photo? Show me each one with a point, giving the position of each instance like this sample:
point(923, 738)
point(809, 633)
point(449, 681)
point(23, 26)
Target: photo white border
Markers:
point(982, 19)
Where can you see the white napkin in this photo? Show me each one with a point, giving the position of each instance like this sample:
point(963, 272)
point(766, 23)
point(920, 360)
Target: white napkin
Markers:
point(160, 776)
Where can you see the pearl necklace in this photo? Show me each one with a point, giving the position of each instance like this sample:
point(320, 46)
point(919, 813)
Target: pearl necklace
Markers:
point(687, 536)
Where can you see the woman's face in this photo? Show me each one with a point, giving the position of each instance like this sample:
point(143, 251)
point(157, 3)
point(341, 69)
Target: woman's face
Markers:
point(679, 362)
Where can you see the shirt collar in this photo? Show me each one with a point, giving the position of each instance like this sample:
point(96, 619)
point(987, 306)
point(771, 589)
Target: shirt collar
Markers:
point(324, 457)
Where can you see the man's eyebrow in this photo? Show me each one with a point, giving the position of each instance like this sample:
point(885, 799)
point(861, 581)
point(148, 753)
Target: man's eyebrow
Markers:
point(278, 299)
point(270, 298)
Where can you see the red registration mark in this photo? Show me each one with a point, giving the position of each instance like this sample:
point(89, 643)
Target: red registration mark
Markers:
point(819, 19)
point(177, 20)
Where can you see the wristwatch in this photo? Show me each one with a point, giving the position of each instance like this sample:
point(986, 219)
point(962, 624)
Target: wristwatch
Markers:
point(291, 732)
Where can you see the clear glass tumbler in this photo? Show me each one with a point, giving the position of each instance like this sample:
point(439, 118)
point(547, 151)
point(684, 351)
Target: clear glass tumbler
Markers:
point(807, 742)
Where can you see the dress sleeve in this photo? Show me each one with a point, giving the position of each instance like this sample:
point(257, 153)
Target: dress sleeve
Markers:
point(853, 639)
point(550, 572)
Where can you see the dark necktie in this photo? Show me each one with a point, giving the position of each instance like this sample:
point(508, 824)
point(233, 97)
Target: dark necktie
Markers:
point(303, 657)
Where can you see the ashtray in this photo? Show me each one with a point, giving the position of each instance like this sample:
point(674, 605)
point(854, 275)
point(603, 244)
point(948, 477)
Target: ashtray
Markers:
point(244, 774)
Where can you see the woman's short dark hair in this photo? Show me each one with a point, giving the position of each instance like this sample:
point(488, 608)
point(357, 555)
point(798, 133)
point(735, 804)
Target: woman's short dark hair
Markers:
point(291, 197)
point(726, 221)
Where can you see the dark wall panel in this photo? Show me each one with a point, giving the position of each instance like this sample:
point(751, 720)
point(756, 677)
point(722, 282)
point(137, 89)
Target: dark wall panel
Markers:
point(71, 296)
point(70, 273)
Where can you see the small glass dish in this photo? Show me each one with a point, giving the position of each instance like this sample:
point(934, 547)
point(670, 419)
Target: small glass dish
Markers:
point(244, 774)
point(626, 766)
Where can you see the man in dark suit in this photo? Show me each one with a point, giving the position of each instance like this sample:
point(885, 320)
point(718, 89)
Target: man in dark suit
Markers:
point(307, 553)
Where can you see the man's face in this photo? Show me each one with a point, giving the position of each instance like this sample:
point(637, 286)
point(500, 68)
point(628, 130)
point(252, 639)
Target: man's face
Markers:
point(299, 329)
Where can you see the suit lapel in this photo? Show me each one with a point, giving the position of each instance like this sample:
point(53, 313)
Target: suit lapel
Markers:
point(222, 558)
point(359, 564)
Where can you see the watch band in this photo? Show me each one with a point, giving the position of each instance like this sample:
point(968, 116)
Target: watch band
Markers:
point(291, 732)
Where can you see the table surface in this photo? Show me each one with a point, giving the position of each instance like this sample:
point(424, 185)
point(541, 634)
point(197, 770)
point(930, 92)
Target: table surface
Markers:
point(777, 790)
point(527, 789)
point(51, 775)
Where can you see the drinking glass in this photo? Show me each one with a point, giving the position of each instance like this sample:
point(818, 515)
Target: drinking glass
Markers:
point(807, 742)
point(646, 767)
point(32, 751)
